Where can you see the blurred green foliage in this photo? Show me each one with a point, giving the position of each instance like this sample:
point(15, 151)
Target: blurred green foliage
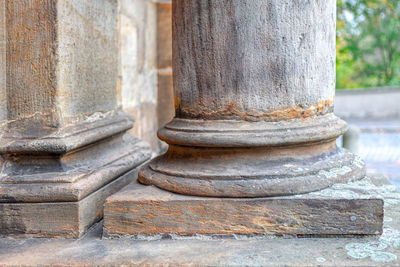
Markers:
point(368, 43)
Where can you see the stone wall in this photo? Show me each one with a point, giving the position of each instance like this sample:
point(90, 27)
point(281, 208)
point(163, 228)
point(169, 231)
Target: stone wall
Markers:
point(145, 66)
point(370, 104)
point(3, 95)
point(165, 108)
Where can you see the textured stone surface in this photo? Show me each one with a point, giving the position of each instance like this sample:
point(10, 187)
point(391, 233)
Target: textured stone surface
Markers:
point(3, 63)
point(381, 250)
point(58, 219)
point(345, 209)
point(87, 50)
point(31, 52)
point(255, 59)
point(61, 62)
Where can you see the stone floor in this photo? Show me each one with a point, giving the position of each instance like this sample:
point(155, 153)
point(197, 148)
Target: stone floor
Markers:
point(93, 250)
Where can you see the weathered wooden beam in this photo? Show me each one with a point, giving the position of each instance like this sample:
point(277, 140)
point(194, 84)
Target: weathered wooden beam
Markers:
point(62, 141)
point(254, 92)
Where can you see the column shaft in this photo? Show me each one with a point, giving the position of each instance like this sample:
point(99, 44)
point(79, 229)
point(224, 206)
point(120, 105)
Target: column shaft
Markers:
point(254, 60)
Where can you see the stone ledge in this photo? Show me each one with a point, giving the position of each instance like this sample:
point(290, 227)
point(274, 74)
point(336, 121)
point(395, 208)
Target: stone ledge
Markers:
point(73, 176)
point(147, 212)
point(17, 139)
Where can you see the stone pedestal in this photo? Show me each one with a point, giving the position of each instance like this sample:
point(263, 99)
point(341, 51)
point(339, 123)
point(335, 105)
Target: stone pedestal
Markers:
point(254, 127)
point(62, 145)
point(147, 212)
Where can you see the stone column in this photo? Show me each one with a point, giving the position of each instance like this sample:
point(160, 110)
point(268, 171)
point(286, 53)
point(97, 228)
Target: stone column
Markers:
point(254, 131)
point(63, 148)
point(254, 91)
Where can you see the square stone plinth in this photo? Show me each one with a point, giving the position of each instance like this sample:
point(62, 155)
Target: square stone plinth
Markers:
point(58, 219)
point(147, 211)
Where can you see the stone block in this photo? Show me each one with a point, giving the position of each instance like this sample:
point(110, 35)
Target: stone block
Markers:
point(60, 191)
point(58, 219)
point(344, 209)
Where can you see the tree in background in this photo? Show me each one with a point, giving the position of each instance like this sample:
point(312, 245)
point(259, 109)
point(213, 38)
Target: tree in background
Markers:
point(368, 43)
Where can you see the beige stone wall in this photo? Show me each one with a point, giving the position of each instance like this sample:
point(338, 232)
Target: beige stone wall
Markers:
point(3, 95)
point(138, 66)
point(165, 109)
point(145, 66)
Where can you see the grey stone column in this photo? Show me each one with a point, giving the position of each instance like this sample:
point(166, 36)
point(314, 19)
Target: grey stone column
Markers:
point(254, 92)
point(63, 148)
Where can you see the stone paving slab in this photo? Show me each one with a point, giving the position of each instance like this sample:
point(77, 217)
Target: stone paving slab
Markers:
point(235, 251)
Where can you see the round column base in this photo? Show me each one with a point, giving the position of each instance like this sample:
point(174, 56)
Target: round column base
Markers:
point(227, 158)
point(251, 172)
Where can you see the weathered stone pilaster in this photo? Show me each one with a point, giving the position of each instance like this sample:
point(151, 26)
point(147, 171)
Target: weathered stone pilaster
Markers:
point(3, 64)
point(62, 144)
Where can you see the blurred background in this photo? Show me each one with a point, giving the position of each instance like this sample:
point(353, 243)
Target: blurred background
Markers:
point(368, 81)
point(368, 48)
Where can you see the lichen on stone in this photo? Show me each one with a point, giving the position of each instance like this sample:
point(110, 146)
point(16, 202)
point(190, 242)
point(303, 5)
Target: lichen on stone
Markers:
point(374, 249)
